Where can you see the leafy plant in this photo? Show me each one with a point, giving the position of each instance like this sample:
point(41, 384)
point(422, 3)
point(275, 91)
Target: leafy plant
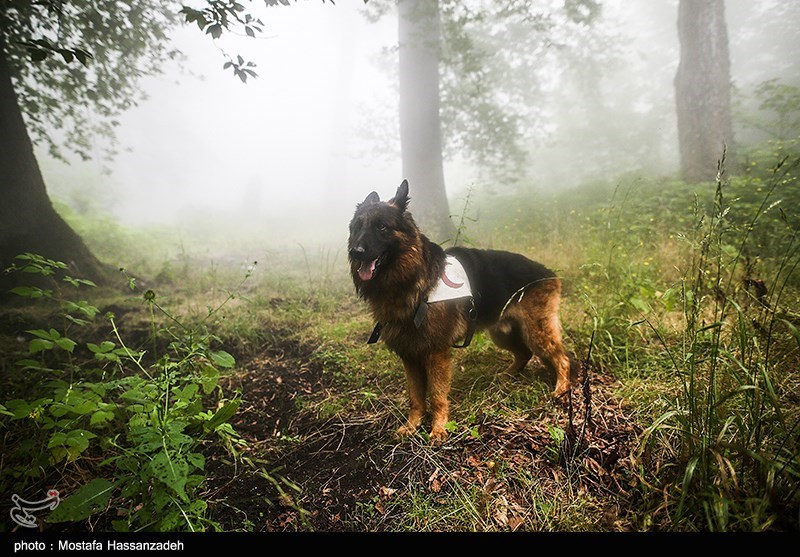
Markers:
point(130, 424)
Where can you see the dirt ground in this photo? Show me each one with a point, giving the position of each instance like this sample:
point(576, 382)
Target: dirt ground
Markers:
point(301, 472)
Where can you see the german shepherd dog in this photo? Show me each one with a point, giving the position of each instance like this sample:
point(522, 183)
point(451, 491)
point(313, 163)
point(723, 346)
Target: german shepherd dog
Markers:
point(395, 267)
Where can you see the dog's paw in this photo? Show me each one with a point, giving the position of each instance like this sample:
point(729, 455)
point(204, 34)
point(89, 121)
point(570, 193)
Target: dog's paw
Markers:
point(438, 436)
point(561, 390)
point(405, 431)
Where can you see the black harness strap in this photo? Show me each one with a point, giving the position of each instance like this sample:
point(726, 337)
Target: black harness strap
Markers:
point(376, 334)
point(472, 319)
point(422, 311)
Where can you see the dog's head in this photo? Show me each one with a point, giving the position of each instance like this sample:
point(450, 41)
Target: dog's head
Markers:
point(379, 231)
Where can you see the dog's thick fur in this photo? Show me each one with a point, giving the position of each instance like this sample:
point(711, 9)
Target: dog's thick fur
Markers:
point(394, 268)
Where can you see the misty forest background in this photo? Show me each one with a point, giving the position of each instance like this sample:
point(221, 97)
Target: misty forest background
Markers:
point(180, 344)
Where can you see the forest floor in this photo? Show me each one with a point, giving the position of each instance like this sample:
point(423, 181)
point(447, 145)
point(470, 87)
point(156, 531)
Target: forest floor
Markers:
point(348, 472)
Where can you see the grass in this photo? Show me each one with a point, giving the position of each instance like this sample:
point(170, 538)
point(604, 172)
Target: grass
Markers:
point(695, 381)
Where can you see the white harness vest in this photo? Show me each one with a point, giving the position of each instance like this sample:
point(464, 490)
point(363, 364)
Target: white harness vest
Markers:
point(453, 284)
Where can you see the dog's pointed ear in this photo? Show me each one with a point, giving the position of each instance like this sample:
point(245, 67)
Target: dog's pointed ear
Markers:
point(400, 199)
point(373, 197)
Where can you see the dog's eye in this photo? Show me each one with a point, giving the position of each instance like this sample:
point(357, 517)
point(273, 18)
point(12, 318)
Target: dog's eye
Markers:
point(382, 227)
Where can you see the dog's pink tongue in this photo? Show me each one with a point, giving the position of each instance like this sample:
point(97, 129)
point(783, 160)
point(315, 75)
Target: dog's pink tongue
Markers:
point(366, 270)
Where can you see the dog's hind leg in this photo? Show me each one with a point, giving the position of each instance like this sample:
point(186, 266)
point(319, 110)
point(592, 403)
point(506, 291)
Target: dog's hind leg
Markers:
point(537, 315)
point(506, 334)
point(417, 383)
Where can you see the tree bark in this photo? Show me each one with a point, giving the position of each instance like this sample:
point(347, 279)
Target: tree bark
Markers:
point(28, 221)
point(703, 89)
point(420, 125)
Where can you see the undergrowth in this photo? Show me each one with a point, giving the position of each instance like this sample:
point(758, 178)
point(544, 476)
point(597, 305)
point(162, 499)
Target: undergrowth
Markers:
point(118, 431)
point(688, 292)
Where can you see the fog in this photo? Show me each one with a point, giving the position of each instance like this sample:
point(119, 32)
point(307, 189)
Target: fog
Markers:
point(205, 141)
point(318, 129)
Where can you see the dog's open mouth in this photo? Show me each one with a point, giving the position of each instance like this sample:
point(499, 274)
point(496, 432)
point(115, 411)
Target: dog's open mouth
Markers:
point(368, 268)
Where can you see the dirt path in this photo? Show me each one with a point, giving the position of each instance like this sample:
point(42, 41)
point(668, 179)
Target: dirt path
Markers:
point(337, 475)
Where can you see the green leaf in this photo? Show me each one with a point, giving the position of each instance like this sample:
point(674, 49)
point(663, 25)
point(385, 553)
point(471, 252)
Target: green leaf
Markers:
point(83, 56)
point(39, 55)
point(19, 408)
point(88, 500)
point(172, 471)
point(66, 344)
point(188, 392)
point(223, 359)
point(209, 377)
point(39, 345)
point(25, 291)
point(102, 348)
point(77, 438)
point(101, 417)
point(222, 415)
point(41, 333)
point(214, 30)
point(197, 460)
point(82, 307)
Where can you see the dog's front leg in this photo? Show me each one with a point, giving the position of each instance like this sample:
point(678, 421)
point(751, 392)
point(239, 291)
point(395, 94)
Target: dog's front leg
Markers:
point(439, 372)
point(417, 382)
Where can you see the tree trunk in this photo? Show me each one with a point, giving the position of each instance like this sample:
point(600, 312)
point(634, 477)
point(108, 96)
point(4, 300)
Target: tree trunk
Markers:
point(28, 222)
point(703, 89)
point(420, 125)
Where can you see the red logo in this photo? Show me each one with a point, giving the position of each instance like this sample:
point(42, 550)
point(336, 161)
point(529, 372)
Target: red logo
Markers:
point(447, 281)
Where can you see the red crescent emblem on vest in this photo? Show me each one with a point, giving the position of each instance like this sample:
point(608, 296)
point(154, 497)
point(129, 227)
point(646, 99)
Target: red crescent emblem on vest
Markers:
point(448, 282)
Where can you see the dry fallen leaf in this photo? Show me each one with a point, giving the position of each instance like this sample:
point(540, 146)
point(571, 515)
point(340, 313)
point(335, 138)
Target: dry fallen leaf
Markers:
point(386, 492)
point(490, 485)
point(500, 514)
point(433, 480)
point(514, 522)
